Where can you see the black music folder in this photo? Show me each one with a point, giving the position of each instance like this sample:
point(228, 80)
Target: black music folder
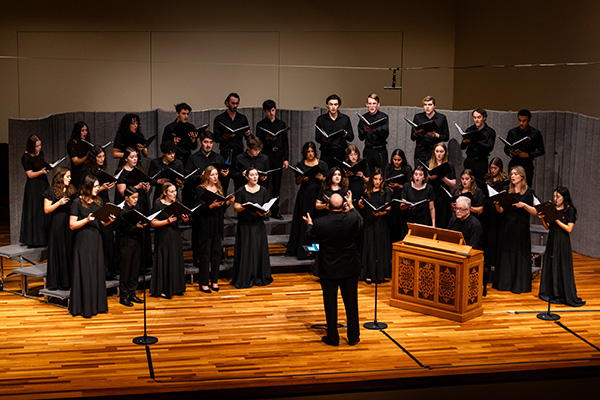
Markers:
point(376, 122)
point(274, 134)
point(525, 144)
point(338, 133)
point(361, 165)
point(258, 208)
point(106, 210)
point(440, 171)
point(39, 163)
point(474, 136)
point(429, 126)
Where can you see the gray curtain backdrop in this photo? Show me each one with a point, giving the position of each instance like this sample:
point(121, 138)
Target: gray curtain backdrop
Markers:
point(572, 142)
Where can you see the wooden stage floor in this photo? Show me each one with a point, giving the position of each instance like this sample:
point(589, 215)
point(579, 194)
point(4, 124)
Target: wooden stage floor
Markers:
point(261, 342)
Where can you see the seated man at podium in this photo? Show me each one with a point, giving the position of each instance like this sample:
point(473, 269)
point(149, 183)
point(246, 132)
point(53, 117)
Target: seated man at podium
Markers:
point(467, 224)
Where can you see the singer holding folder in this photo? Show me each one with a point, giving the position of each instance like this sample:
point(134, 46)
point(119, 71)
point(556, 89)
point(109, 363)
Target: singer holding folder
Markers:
point(521, 157)
point(272, 131)
point(78, 153)
point(88, 286)
point(57, 203)
point(251, 264)
point(376, 247)
point(374, 133)
point(230, 127)
point(331, 122)
point(426, 140)
point(557, 284)
point(480, 145)
point(168, 276)
point(34, 221)
point(208, 230)
point(513, 267)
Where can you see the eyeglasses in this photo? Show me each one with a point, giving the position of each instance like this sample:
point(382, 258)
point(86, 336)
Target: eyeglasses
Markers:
point(462, 209)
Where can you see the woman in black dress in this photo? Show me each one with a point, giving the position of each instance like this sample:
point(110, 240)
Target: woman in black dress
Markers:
point(34, 222)
point(331, 185)
point(468, 187)
point(513, 269)
point(557, 284)
point(129, 239)
point(60, 237)
point(208, 229)
point(305, 199)
point(443, 202)
point(88, 285)
point(419, 190)
point(490, 219)
point(398, 167)
point(94, 163)
point(168, 275)
point(80, 132)
point(129, 134)
point(130, 161)
point(251, 264)
point(376, 248)
point(355, 182)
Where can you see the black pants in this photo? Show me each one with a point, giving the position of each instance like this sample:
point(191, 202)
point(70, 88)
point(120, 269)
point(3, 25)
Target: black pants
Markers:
point(349, 288)
point(376, 158)
point(208, 254)
point(131, 258)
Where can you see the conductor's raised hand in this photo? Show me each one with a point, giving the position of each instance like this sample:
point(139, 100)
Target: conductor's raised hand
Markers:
point(307, 219)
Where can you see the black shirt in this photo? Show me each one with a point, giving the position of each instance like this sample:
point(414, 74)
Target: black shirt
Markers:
point(277, 145)
point(516, 134)
point(480, 149)
point(185, 145)
point(234, 144)
point(470, 228)
point(332, 125)
point(199, 161)
point(245, 160)
point(425, 143)
point(382, 130)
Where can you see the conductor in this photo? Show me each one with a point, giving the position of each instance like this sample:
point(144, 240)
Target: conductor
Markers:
point(338, 263)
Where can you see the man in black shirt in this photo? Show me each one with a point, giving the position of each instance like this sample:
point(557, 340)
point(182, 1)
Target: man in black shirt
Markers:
point(230, 128)
point(479, 149)
point(463, 221)
point(167, 160)
point(375, 135)
point(276, 148)
point(182, 133)
point(338, 263)
point(524, 158)
point(252, 157)
point(198, 162)
point(426, 140)
point(331, 122)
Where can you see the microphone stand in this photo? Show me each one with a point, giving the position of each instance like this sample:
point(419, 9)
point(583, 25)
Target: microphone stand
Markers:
point(548, 316)
point(375, 325)
point(145, 340)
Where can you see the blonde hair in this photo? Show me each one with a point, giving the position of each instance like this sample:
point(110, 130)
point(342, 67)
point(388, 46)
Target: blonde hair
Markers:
point(521, 171)
point(432, 160)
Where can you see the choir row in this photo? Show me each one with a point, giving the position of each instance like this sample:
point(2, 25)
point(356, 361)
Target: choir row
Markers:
point(423, 195)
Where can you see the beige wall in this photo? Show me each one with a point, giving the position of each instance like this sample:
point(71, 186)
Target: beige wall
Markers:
point(75, 56)
point(521, 32)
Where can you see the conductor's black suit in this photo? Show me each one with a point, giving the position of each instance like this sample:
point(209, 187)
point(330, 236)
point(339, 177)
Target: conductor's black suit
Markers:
point(338, 265)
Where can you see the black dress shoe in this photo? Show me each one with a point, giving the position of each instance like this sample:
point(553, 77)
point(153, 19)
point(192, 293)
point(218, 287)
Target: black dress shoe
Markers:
point(126, 302)
point(266, 218)
point(354, 342)
point(278, 216)
point(204, 290)
point(133, 298)
point(329, 342)
point(214, 289)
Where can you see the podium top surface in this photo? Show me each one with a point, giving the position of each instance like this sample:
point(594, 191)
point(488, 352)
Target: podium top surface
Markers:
point(437, 239)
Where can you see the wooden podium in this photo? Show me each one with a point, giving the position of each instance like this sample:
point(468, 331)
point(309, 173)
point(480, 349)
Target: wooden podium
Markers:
point(435, 273)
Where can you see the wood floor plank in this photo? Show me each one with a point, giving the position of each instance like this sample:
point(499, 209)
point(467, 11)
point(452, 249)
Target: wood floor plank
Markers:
point(265, 337)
